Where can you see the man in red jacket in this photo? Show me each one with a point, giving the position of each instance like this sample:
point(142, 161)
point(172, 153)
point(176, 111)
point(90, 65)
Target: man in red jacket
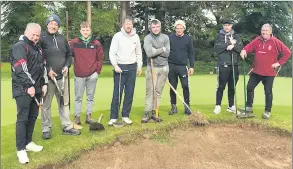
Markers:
point(88, 60)
point(266, 49)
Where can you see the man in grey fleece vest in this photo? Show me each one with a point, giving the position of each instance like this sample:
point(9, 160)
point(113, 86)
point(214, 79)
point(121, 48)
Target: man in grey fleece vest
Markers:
point(157, 48)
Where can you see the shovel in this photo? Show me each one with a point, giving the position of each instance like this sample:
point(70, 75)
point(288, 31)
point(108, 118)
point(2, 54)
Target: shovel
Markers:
point(97, 125)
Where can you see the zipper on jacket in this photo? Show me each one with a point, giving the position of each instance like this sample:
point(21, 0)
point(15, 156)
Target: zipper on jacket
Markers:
point(54, 39)
point(263, 44)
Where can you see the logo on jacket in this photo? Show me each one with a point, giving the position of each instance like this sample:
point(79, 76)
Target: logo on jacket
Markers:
point(270, 47)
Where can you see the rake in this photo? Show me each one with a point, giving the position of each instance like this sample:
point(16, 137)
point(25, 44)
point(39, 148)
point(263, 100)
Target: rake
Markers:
point(197, 117)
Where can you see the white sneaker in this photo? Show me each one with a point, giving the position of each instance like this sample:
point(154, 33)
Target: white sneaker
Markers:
point(110, 123)
point(126, 120)
point(22, 157)
point(33, 147)
point(217, 109)
point(231, 109)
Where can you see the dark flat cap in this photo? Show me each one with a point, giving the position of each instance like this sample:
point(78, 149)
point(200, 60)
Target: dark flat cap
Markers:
point(227, 21)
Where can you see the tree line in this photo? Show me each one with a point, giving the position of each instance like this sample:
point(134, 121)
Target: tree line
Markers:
point(203, 20)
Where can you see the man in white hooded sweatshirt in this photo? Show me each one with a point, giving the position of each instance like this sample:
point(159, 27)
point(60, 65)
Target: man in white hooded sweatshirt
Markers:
point(126, 57)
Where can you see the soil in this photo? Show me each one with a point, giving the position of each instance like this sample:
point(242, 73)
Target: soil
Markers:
point(225, 146)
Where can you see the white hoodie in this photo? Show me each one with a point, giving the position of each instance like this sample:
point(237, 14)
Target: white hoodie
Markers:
point(125, 48)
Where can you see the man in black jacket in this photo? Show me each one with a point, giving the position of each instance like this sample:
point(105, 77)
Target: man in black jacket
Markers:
point(59, 58)
point(181, 52)
point(227, 45)
point(29, 81)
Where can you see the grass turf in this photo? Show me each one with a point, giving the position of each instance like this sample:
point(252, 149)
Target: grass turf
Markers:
point(63, 148)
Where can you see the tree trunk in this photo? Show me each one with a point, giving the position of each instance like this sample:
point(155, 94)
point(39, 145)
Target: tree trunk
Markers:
point(124, 10)
point(146, 20)
point(89, 11)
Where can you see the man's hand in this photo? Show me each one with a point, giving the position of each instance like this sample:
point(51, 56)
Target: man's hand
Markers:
point(230, 47)
point(232, 41)
point(31, 91)
point(65, 71)
point(190, 71)
point(117, 69)
point(44, 90)
point(52, 74)
point(275, 65)
point(139, 71)
point(243, 54)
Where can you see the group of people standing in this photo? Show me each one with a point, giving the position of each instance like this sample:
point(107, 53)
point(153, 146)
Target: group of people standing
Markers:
point(40, 63)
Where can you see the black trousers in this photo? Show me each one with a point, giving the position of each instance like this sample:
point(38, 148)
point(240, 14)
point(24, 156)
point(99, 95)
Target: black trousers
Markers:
point(127, 85)
point(267, 81)
point(180, 71)
point(27, 114)
point(225, 75)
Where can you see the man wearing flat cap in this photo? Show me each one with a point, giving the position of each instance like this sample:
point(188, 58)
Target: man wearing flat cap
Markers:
point(58, 59)
point(227, 45)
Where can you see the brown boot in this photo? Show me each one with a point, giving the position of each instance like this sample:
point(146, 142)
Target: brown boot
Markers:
point(146, 117)
point(89, 118)
point(77, 120)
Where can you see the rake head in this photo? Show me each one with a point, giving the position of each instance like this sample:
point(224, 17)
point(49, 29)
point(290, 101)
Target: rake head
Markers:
point(118, 124)
point(197, 119)
point(241, 113)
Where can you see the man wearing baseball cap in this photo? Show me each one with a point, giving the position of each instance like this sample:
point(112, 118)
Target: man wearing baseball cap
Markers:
point(227, 45)
point(58, 59)
point(181, 51)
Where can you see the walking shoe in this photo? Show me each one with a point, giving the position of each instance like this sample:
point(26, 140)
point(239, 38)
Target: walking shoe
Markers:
point(248, 109)
point(217, 109)
point(146, 118)
point(89, 118)
point(33, 147)
point(77, 120)
point(231, 109)
point(266, 115)
point(173, 109)
point(71, 131)
point(156, 119)
point(153, 117)
point(46, 135)
point(187, 110)
point(110, 123)
point(126, 120)
point(22, 157)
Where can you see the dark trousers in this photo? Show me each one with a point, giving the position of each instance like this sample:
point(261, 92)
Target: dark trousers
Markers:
point(225, 74)
point(27, 113)
point(267, 81)
point(127, 84)
point(180, 71)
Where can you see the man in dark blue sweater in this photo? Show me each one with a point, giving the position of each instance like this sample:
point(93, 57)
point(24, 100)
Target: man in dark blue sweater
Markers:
point(181, 50)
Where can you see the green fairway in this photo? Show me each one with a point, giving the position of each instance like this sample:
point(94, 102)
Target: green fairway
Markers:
point(203, 90)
